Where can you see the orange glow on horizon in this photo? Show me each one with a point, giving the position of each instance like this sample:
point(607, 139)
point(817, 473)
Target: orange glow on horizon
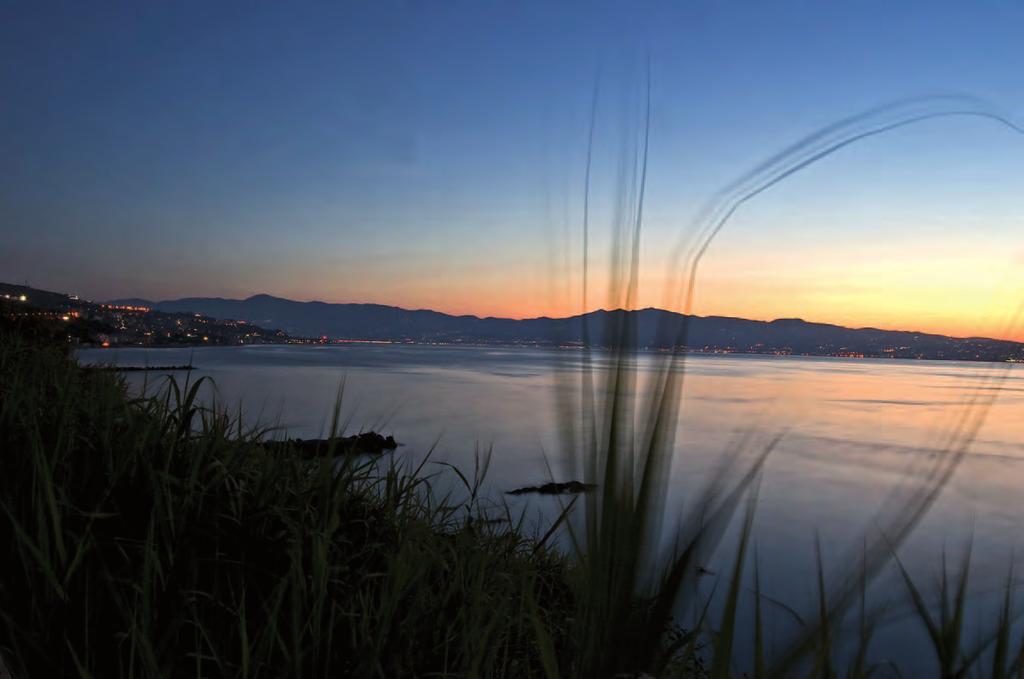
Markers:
point(922, 310)
point(940, 291)
point(961, 285)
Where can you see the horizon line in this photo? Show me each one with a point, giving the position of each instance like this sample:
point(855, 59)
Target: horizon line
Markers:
point(849, 326)
point(576, 315)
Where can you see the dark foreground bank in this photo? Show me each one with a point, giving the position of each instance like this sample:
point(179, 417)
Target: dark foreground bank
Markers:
point(153, 538)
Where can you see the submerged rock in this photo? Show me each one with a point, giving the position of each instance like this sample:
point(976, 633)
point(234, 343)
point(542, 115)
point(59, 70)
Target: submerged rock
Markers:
point(366, 443)
point(556, 488)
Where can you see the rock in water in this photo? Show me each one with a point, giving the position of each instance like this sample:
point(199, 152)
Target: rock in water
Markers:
point(366, 443)
point(569, 487)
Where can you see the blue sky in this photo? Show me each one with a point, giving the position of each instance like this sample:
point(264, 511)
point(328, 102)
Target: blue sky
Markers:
point(431, 154)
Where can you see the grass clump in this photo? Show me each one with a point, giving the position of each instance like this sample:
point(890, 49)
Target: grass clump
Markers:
point(154, 536)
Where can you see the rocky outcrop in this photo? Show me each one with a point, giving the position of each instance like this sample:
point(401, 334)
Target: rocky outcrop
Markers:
point(569, 487)
point(366, 443)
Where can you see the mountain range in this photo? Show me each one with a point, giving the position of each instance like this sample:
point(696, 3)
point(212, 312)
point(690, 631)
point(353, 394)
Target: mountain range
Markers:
point(703, 333)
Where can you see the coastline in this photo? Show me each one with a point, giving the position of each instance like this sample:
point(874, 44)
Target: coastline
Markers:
point(555, 347)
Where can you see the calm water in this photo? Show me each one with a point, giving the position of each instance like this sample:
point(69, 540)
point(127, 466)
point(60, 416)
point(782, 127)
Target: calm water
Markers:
point(851, 428)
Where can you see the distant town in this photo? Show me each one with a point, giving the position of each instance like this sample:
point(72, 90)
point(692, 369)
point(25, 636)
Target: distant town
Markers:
point(106, 325)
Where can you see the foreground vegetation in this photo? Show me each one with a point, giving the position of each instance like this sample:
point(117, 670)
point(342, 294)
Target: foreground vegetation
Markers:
point(154, 537)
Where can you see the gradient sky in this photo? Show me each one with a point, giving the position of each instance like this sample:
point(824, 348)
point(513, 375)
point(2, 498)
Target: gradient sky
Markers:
point(431, 154)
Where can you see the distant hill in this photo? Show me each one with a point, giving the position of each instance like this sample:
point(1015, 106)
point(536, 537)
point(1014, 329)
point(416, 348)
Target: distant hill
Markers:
point(704, 333)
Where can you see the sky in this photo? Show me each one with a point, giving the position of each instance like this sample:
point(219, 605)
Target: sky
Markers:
point(433, 154)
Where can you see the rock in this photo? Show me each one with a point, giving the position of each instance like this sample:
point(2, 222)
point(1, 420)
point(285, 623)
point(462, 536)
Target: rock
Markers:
point(569, 487)
point(366, 443)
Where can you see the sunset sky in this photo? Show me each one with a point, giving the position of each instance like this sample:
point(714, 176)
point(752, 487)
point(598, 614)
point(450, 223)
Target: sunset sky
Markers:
point(432, 154)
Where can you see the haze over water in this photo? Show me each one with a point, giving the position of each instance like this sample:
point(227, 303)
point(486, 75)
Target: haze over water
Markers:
point(851, 429)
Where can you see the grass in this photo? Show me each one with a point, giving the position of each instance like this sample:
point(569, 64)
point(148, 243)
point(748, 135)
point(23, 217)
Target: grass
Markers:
point(155, 537)
point(623, 439)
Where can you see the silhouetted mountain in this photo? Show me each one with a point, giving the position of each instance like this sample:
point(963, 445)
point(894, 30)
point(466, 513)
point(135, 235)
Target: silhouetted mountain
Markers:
point(654, 328)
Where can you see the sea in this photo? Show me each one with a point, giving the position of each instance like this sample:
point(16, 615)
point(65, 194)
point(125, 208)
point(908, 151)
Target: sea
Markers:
point(850, 436)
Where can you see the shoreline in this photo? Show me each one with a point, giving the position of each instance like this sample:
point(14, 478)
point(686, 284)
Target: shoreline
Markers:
point(551, 347)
